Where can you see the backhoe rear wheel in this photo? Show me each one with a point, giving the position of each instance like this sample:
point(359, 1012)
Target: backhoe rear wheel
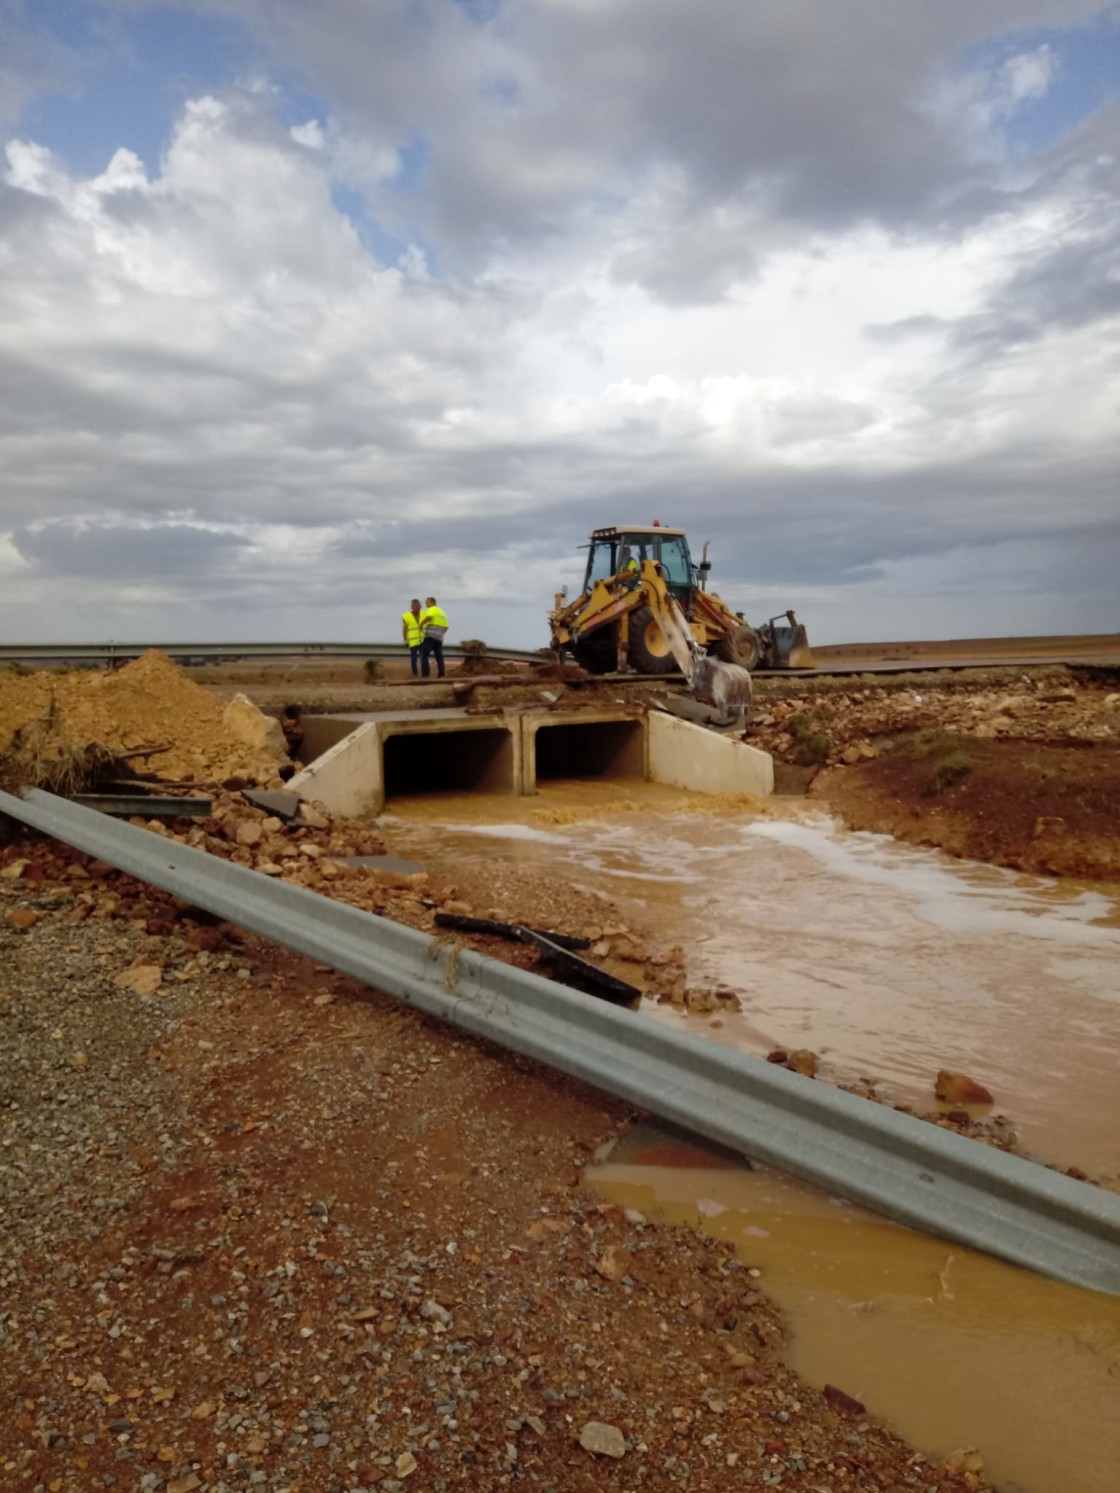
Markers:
point(649, 651)
point(741, 646)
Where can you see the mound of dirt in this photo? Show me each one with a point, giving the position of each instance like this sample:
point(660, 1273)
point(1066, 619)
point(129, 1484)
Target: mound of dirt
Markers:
point(192, 736)
point(482, 663)
point(555, 669)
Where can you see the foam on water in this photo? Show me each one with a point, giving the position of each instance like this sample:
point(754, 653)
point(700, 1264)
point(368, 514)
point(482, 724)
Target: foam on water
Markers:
point(958, 897)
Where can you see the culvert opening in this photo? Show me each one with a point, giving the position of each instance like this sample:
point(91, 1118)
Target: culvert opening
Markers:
point(592, 749)
point(449, 762)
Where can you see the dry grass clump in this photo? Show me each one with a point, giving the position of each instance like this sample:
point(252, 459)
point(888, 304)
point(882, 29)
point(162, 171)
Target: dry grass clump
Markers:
point(811, 744)
point(43, 755)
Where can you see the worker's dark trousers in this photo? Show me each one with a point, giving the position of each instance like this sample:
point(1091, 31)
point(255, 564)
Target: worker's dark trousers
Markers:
point(414, 655)
point(429, 649)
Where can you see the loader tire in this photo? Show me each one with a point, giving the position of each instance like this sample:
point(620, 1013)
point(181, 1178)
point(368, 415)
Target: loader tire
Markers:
point(742, 646)
point(649, 651)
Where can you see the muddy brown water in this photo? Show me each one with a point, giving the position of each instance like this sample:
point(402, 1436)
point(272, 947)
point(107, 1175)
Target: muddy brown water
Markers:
point(891, 963)
point(953, 1348)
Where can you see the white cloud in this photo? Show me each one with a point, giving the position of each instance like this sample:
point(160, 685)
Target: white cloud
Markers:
point(309, 134)
point(1028, 75)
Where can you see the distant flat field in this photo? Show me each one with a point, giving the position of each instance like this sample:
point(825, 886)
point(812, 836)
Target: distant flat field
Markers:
point(314, 680)
point(1087, 647)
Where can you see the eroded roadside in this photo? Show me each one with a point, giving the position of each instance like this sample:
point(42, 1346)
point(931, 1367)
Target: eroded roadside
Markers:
point(1016, 767)
point(265, 1228)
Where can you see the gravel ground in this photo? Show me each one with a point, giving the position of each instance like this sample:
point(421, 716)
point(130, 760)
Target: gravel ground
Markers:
point(266, 1229)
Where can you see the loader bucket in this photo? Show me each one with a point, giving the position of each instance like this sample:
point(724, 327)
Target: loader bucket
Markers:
point(791, 648)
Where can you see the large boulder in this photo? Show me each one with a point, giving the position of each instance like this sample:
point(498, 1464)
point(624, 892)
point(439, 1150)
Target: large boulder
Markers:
point(263, 733)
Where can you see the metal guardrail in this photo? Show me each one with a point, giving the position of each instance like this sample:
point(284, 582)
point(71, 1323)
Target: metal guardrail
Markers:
point(904, 1168)
point(110, 653)
point(119, 653)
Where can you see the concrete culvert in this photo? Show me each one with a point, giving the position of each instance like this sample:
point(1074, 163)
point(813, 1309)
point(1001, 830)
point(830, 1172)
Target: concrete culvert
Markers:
point(597, 749)
point(449, 762)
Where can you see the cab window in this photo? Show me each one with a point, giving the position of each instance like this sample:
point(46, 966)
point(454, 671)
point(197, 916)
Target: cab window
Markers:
point(600, 564)
point(636, 547)
point(674, 561)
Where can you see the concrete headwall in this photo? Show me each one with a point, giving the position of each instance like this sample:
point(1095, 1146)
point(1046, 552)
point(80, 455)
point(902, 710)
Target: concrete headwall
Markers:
point(688, 756)
point(321, 732)
point(346, 780)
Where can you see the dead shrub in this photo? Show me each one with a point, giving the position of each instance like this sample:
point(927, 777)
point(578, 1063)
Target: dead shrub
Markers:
point(42, 755)
point(812, 749)
point(951, 769)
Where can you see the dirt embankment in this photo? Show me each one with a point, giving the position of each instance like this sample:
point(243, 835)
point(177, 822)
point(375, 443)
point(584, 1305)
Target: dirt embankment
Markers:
point(1020, 769)
point(1052, 810)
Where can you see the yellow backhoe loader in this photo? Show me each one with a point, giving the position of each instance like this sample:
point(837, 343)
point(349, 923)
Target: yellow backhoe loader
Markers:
point(645, 608)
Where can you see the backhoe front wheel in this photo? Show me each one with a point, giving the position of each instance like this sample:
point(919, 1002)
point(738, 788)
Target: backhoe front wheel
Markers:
point(649, 651)
point(741, 646)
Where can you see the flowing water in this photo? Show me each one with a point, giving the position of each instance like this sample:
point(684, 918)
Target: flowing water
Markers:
point(890, 962)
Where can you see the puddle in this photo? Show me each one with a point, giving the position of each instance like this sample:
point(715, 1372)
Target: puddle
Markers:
point(952, 1348)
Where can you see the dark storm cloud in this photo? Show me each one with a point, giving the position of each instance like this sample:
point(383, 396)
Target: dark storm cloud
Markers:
point(1075, 285)
point(167, 552)
point(24, 214)
point(832, 528)
point(909, 326)
point(823, 112)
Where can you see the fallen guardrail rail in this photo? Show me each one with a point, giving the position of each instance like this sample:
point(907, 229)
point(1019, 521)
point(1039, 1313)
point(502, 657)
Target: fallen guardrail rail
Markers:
point(113, 653)
point(904, 1168)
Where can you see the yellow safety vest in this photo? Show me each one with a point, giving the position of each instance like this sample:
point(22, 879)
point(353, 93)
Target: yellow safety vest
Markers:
point(415, 630)
point(433, 617)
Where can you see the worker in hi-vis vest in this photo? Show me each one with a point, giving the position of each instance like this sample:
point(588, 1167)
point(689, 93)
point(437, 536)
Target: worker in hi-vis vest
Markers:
point(413, 633)
point(433, 620)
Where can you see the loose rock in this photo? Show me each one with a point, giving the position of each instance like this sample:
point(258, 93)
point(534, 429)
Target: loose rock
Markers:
point(602, 1440)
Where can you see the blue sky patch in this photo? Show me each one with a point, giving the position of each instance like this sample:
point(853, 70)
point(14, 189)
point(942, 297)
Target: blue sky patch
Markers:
point(1086, 77)
point(136, 73)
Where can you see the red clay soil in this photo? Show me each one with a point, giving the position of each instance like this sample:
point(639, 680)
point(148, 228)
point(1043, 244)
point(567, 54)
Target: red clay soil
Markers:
point(1046, 808)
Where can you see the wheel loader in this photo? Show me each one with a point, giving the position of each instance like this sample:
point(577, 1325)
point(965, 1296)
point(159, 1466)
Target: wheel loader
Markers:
point(638, 576)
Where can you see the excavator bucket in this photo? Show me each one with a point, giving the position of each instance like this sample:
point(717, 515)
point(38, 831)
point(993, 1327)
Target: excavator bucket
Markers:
point(791, 646)
point(727, 688)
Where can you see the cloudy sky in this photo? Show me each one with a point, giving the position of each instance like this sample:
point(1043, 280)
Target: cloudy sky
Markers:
point(305, 308)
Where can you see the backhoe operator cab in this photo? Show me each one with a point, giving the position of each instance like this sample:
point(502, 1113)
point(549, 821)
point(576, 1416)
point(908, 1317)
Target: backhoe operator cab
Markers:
point(622, 552)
